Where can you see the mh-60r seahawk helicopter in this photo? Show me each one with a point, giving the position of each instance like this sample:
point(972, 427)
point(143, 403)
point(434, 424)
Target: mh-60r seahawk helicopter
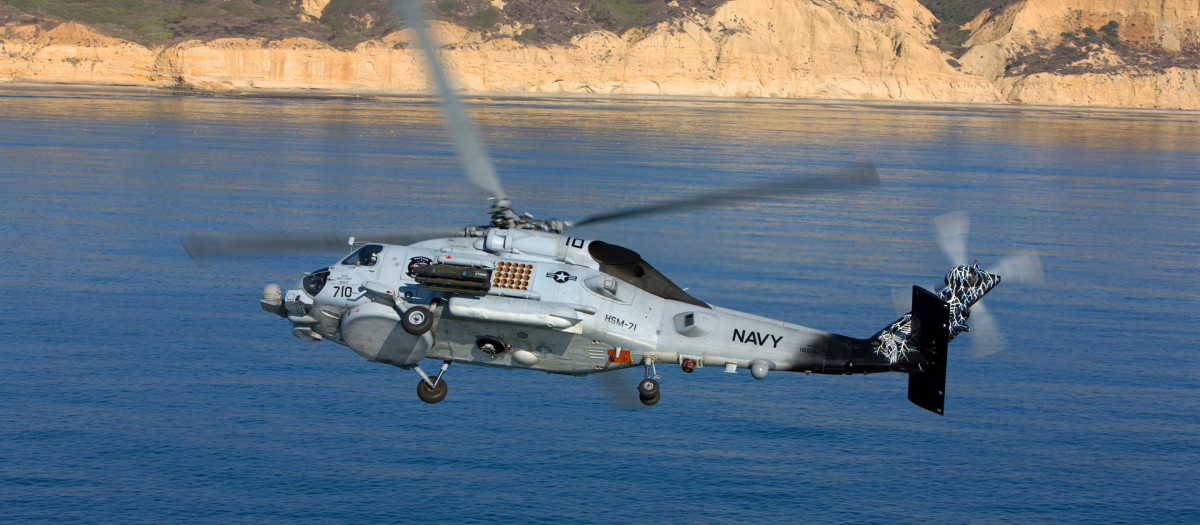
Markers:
point(521, 293)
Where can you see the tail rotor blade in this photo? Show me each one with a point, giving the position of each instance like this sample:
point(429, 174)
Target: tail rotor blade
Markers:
point(467, 142)
point(1020, 267)
point(986, 336)
point(952, 230)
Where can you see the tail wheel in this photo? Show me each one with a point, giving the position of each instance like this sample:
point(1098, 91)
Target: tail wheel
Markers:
point(648, 391)
point(431, 394)
point(648, 387)
point(416, 320)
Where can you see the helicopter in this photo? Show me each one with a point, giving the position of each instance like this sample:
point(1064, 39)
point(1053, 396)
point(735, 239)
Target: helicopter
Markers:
point(520, 293)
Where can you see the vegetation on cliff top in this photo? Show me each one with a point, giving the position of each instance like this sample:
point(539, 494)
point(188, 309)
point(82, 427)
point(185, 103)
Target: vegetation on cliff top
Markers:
point(345, 23)
point(1094, 51)
point(152, 22)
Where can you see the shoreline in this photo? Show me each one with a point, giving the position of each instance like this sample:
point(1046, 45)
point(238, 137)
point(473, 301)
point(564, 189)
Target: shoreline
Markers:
point(355, 94)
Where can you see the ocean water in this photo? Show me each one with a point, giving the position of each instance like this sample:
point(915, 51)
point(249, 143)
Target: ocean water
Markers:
point(139, 387)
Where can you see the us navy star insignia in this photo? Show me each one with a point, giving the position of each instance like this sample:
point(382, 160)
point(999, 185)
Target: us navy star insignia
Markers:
point(561, 276)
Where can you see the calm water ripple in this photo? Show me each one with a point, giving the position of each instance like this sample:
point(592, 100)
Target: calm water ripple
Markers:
point(136, 387)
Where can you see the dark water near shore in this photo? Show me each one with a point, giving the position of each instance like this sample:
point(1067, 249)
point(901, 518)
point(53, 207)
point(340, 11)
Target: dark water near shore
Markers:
point(136, 387)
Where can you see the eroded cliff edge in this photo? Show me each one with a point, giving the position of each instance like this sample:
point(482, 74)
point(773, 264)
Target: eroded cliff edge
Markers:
point(834, 49)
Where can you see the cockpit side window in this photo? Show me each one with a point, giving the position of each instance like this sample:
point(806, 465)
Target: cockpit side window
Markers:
point(627, 265)
point(368, 255)
point(315, 282)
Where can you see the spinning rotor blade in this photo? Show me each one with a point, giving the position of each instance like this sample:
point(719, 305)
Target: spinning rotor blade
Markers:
point(1020, 267)
point(1024, 267)
point(986, 336)
point(467, 143)
point(203, 247)
point(858, 176)
point(952, 229)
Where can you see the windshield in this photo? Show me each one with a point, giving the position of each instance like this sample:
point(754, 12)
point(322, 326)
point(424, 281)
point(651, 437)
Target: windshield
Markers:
point(366, 256)
point(627, 265)
point(315, 282)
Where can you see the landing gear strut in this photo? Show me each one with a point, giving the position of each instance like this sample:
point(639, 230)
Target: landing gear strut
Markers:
point(648, 388)
point(432, 390)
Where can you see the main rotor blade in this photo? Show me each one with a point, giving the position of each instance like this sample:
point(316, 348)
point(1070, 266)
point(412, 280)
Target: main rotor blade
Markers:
point(858, 176)
point(204, 247)
point(467, 142)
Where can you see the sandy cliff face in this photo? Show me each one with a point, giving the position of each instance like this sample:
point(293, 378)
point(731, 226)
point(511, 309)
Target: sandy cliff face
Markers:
point(858, 49)
point(1162, 27)
point(1173, 88)
point(313, 8)
point(1169, 24)
point(851, 49)
point(748, 48)
point(72, 53)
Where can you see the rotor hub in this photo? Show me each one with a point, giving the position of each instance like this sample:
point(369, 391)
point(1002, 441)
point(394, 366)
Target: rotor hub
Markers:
point(505, 218)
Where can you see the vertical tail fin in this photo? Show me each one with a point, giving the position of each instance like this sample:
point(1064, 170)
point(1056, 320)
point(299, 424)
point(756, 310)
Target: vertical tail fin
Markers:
point(931, 336)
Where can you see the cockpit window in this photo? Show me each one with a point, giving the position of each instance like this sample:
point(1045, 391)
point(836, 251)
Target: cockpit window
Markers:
point(627, 265)
point(366, 256)
point(315, 282)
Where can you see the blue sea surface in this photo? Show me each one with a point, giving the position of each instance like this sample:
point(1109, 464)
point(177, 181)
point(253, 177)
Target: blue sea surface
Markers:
point(139, 387)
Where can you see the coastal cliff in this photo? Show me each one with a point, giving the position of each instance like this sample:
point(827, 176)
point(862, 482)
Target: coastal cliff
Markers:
point(1143, 55)
point(831, 49)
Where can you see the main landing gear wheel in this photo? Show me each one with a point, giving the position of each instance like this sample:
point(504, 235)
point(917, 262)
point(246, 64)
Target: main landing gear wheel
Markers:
point(648, 391)
point(432, 395)
point(416, 320)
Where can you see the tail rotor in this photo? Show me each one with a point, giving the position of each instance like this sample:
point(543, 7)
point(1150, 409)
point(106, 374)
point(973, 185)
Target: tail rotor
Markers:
point(1023, 267)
